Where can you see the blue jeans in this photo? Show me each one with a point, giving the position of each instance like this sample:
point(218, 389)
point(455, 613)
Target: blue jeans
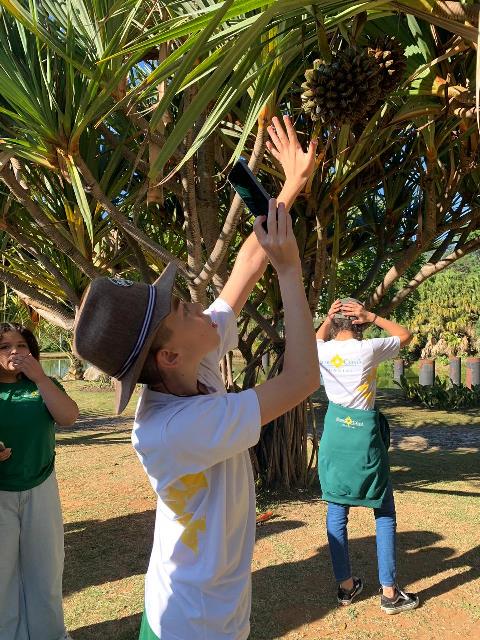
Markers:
point(386, 524)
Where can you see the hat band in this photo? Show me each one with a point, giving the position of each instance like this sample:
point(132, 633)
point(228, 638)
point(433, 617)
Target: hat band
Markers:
point(147, 320)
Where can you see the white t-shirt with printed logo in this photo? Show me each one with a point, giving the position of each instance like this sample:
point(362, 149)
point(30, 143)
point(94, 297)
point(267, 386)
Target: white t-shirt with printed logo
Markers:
point(195, 453)
point(349, 368)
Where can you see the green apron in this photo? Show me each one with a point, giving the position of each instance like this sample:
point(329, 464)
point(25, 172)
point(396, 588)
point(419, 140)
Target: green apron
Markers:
point(352, 458)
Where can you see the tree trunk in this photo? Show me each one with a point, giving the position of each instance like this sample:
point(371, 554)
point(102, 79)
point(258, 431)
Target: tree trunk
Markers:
point(286, 454)
point(76, 369)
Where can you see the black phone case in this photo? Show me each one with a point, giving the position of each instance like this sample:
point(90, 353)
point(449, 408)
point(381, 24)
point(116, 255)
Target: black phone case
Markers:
point(249, 189)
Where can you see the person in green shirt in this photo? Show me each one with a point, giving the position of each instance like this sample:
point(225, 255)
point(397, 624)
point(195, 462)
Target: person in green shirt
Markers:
point(31, 526)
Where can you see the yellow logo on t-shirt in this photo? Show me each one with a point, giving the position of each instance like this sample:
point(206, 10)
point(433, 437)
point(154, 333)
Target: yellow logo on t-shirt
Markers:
point(366, 390)
point(177, 498)
point(337, 361)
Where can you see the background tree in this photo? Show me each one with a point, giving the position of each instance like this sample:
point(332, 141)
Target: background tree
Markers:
point(446, 316)
point(118, 121)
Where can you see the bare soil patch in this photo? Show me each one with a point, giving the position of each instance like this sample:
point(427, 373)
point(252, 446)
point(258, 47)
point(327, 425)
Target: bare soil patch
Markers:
point(109, 508)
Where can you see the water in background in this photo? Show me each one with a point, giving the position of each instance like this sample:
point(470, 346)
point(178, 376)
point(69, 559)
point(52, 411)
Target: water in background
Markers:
point(55, 367)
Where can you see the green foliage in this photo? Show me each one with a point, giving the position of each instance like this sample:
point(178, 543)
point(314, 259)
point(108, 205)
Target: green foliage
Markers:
point(119, 120)
point(446, 317)
point(52, 338)
point(441, 395)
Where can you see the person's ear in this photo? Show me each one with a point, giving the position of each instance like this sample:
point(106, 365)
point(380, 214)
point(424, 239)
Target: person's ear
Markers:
point(167, 359)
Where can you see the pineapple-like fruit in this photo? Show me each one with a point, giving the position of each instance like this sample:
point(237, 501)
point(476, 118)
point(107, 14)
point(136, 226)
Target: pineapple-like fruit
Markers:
point(343, 90)
point(389, 54)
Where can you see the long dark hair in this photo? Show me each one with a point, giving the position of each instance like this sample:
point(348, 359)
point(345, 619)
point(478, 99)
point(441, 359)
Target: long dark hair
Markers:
point(27, 335)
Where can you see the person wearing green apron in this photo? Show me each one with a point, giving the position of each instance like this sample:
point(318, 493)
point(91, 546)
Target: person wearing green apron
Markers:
point(353, 454)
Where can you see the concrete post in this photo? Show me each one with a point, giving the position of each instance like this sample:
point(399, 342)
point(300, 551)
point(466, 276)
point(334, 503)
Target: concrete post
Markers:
point(426, 376)
point(472, 377)
point(398, 369)
point(455, 370)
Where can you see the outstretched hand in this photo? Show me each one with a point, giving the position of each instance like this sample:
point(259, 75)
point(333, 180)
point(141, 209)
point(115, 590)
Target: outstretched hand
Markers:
point(285, 147)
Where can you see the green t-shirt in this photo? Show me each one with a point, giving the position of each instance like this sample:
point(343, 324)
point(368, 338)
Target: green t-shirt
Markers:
point(26, 427)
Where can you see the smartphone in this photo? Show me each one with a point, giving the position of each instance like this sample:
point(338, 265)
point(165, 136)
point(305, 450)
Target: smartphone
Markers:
point(250, 189)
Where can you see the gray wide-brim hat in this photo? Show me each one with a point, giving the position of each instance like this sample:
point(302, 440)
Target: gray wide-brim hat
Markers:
point(116, 325)
point(342, 316)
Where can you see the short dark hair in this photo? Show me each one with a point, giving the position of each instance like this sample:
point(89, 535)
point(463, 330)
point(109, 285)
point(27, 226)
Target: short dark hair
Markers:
point(27, 335)
point(346, 324)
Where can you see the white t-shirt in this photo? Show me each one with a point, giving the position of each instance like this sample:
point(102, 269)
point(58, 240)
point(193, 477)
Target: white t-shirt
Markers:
point(195, 453)
point(349, 368)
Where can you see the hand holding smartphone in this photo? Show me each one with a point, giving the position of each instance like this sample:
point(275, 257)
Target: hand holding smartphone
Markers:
point(250, 189)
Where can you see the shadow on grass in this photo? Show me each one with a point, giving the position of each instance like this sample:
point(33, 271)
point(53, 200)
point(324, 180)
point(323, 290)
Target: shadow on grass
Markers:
point(99, 551)
point(414, 470)
point(302, 591)
point(95, 421)
point(104, 437)
point(305, 591)
point(423, 470)
point(272, 527)
point(122, 629)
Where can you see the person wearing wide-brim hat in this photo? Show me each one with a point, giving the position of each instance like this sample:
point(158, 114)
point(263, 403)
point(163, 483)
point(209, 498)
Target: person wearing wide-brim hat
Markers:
point(353, 454)
point(191, 436)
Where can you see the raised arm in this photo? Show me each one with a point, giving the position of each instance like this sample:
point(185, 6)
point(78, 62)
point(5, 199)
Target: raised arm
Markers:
point(300, 375)
point(362, 316)
point(323, 330)
point(61, 407)
point(252, 261)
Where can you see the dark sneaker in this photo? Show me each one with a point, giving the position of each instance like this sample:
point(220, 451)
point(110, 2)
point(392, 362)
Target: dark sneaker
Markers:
point(346, 597)
point(401, 601)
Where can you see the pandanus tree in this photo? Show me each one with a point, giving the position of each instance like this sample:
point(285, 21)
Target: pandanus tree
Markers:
point(118, 121)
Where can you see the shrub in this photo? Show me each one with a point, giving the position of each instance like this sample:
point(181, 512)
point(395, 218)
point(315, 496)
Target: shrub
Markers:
point(442, 394)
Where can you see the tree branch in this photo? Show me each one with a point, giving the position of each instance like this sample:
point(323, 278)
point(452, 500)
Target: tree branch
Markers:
point(262, 322)
point(49, 229)
point(427, 271)
point(425, 237)
point(233, 216)
point(25, 242)
point(122, 221)
point(189, 203)
point(46, 307)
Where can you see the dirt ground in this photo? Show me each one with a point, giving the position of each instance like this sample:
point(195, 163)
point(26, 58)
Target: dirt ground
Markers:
point(109, 514)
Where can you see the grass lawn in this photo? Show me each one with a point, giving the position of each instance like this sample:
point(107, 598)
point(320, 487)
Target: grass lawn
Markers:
point(108, 509)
